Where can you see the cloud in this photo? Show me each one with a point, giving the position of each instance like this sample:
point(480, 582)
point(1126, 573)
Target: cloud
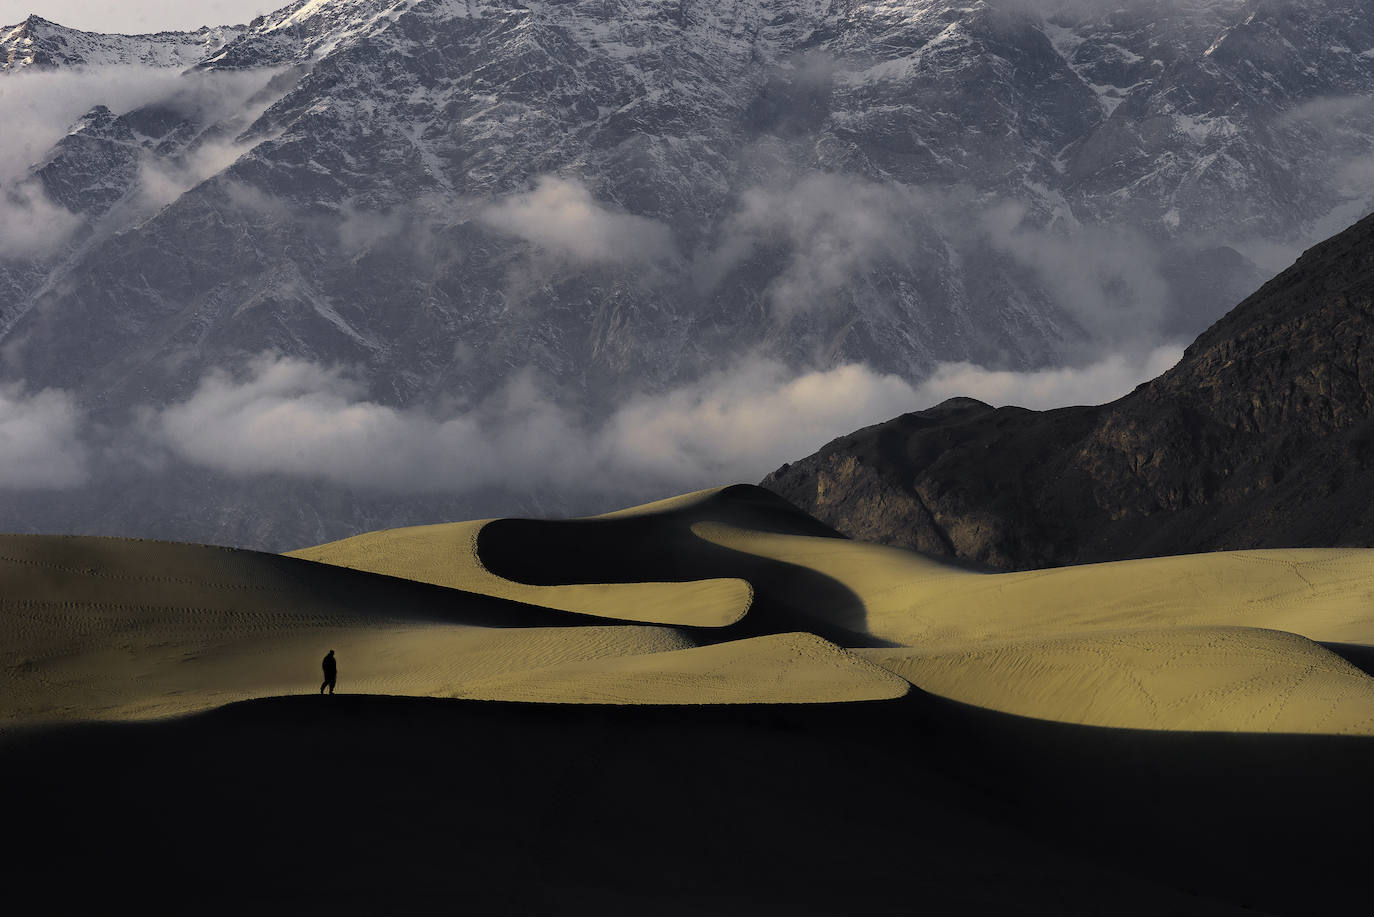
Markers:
point(39, 107)
point(287, 416)
point(561, 219)
point(31, 225)
point(834, 228)
point(360, 230)
point(738, 425)
point(1329, 112)
point(40, 445)
point(1097, 383)
point(227, 101)
point(1108, 278)
point(837, 229)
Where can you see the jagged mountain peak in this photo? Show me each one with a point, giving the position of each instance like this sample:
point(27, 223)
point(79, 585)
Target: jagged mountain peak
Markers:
point(40, 44)
point(304, 31)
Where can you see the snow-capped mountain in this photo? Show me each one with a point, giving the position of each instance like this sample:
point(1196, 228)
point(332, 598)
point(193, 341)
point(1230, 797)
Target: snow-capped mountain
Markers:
point(38, 43)
point(624, 197)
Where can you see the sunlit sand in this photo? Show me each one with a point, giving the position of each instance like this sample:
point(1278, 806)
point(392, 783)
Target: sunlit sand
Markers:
point(777, 669)
point(725, 596)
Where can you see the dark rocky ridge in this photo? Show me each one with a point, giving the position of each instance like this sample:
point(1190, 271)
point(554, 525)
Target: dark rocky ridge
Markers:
point(1261, 436)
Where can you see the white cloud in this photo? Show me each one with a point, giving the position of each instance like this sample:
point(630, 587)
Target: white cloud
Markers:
point(32, 226)
point(292, 417)
point(562, 219)
point(740, 424)
point(1107, 277)
point(360, 230)
point(835, 227)
point(1097, 383)
point(40, 445)
point(838, 228)
point(37, 108)
point(228, 101)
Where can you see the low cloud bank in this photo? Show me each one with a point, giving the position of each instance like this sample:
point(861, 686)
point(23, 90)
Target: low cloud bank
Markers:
point(1099, 382)
point(292, 417)
point(40, 440)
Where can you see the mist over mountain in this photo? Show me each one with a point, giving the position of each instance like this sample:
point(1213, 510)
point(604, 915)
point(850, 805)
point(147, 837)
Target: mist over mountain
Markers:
point(366, 262)
point(1260, 437)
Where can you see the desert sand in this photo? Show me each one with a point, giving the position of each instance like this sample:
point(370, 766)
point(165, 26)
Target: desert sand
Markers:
point(723, 596)
point(696, 688)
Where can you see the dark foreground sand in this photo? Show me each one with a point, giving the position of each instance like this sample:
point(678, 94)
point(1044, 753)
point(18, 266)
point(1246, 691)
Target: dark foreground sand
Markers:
point(371, 804)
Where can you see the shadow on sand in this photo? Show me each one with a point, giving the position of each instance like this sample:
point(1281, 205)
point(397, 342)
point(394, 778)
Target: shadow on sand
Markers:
point(897, 807)
point(662, 547)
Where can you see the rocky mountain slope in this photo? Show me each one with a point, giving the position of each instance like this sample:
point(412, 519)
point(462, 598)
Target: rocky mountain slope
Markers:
point(1262, 436)
point(626, 196)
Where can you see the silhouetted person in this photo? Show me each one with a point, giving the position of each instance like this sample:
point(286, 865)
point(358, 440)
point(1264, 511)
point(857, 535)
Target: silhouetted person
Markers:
point(331, 672)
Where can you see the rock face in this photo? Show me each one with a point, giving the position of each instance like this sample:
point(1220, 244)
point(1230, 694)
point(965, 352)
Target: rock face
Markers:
point(625, 196)
point(1262, 436)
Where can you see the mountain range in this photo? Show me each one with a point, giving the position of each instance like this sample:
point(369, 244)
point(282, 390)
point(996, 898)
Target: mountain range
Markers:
point(451, 201)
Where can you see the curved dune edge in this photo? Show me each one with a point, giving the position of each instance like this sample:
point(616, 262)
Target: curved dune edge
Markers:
point(108, 628)
point(144, 673)
point(667, 505)
point(446, 555)
point(796, 668)
point(1324, 594)
point(1189, 679)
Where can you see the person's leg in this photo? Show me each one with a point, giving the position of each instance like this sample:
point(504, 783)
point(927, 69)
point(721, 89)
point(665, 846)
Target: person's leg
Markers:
point(323, 684)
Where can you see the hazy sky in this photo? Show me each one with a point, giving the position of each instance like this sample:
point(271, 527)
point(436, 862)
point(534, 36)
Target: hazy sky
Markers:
point(135, 16)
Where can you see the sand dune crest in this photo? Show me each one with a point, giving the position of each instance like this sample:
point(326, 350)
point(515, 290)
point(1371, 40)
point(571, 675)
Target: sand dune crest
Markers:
point(446, 555)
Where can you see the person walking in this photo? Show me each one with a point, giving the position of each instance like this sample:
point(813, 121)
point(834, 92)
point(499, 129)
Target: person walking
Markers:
point(331, 672)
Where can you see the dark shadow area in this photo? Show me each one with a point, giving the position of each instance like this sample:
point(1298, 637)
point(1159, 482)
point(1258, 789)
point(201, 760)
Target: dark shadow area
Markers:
point(661, 547)
point(914, 806)
point(1360, 655)
point(1274, 823)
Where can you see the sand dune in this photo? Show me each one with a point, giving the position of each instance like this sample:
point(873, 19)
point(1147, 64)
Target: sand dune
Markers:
point(446, 555)
point(1192, 678)
point(116, 629)
point(722, 596)
point(1203, 642)
point(643, 563)
point(777, 669)
point(1324, 594)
